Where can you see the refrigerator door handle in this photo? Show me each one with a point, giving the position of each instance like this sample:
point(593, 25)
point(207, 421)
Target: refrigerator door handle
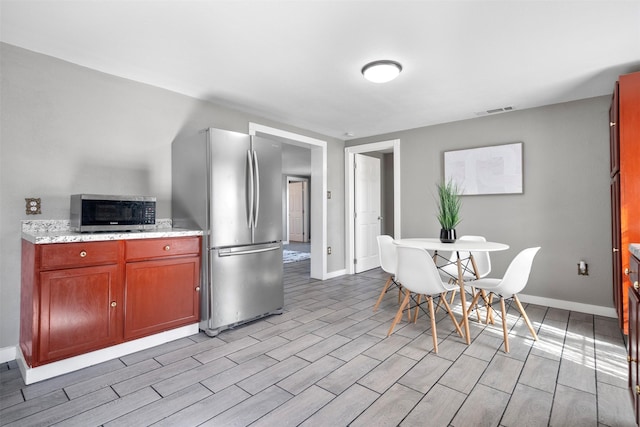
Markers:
point(251, 189)
point(255, 161)
point(223, 253)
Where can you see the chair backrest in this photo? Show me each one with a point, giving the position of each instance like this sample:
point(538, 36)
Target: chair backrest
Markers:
point(483, 261)
point(517, 274)
point(417, 271)
point(387, 254)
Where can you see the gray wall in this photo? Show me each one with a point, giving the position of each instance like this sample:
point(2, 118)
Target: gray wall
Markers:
point(565, 205)
point(67, 129)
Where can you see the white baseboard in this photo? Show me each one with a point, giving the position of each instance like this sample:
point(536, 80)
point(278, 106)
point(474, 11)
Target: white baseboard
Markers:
point(569, 305)
point(332, 274)
point(50, 370)
point(7, 354)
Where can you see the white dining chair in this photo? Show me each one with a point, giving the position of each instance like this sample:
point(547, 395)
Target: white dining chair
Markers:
point(419, 276)
point(388, 259)
point(507, 288)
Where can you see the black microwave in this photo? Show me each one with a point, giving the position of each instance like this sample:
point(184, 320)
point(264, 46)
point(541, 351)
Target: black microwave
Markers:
point(95, 212)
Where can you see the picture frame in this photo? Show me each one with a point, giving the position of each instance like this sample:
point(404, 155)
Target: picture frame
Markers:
point(495, 169)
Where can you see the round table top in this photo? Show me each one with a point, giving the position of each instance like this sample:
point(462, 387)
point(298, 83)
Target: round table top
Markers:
point(459, 245)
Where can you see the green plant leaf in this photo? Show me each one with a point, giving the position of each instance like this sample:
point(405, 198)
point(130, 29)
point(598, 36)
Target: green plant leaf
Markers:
point(449, 204)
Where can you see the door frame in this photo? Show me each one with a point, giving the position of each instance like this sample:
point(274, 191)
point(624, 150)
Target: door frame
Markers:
point(394, 145)
point(289, 180)
point(317, 191)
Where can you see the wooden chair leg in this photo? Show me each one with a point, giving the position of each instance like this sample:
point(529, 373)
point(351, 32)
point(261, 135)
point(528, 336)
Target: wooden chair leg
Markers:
point(474, 293)
point(399, 313)
point(453, 296)
point(432, 314)
point(474, 302)
point(453, 319)
point(440, 300)
point(384, 291)
point(489, 301)
point(416, 308)
point(525, 317)
point(504, 325)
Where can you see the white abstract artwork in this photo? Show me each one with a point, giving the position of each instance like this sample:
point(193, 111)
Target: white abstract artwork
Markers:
point(486, 170)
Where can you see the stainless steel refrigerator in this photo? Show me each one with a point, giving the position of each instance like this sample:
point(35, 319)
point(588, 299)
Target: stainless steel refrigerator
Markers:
point(230, 185)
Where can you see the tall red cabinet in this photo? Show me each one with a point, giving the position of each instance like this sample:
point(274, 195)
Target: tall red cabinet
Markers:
point(624, 126)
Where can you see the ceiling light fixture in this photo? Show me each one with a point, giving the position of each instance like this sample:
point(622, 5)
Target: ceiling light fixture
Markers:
point(381, 71)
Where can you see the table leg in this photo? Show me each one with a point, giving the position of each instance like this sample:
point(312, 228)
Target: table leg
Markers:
point(463, 301)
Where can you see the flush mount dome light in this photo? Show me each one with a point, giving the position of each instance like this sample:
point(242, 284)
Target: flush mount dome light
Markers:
point(381, 71)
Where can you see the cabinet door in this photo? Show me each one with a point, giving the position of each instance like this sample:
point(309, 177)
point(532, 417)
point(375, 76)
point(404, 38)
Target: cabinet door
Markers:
point(619, 298)
point(614, 134)
point(78, 311)
point(161, 295)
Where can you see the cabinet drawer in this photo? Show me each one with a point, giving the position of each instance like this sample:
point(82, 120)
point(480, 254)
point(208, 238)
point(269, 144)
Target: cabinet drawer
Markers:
point(66, 255)
point(157, 248)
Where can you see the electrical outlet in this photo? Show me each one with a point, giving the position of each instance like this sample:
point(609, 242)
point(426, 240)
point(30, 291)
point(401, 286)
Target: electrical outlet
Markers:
point(583, 269)
point(329, 250)
point(33, 206)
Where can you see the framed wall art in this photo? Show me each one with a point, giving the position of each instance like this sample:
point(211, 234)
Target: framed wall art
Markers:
point(495, 169)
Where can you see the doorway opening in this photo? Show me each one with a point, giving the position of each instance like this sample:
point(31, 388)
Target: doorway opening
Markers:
point(297, 246)
point(390, 199)
point(297, 211)
point(318, 187)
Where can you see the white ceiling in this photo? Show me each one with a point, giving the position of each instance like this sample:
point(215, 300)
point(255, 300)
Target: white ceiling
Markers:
point(298, 62)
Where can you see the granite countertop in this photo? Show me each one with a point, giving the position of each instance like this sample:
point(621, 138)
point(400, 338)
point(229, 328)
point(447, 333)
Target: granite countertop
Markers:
point(634, 248)
point(59, 231)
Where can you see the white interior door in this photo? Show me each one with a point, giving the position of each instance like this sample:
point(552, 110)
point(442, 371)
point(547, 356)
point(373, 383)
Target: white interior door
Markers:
point(296, 211)
point(367, 212)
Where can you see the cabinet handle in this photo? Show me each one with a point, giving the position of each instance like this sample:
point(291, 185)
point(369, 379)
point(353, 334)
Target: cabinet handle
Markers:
point(636, 286)
point(616, 250)
point(638, 389)
point(83, 254)
point(611, 124)
point(113, 303)
point(198, 288)
point(629, 271)
point(166, 248)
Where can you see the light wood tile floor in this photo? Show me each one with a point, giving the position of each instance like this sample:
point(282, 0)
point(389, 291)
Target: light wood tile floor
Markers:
point(327, 362)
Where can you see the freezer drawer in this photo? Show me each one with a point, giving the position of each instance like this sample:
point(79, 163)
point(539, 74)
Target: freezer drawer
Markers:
point(245, 284)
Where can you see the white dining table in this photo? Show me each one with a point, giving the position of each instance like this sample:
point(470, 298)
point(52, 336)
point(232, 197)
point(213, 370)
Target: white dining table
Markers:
point(434, 244)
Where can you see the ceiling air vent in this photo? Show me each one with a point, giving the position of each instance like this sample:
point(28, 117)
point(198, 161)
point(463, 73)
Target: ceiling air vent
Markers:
point(499, 110)
point(494, 110)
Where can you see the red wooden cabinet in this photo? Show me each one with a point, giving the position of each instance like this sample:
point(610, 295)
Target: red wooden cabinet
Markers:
point(162, 287)
point(81, 297)
point(79, 311)
point(624, 123)
point(71, 299)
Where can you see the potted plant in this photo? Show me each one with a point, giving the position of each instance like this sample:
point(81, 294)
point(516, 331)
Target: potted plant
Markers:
point(448, 210)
